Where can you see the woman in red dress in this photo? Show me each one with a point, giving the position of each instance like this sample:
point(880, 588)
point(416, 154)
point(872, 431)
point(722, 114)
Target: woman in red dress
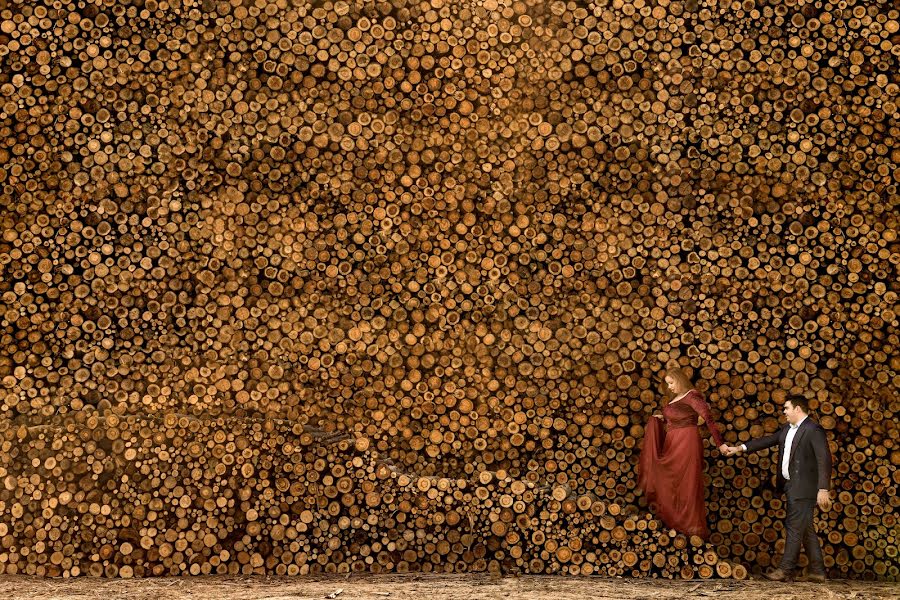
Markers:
point(670, 470)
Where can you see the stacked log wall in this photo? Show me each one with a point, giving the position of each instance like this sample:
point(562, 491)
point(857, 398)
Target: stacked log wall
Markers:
point(293, 287)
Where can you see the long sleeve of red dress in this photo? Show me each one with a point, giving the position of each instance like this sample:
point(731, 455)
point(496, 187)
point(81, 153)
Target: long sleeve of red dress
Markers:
point(698, 403)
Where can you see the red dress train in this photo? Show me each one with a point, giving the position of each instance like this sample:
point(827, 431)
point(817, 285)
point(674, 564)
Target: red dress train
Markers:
point(670, 470)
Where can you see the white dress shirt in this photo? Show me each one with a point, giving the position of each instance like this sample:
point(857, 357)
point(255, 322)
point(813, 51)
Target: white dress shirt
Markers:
point(788, 441)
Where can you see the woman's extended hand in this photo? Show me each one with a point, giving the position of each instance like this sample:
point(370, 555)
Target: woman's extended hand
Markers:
point(724, 448)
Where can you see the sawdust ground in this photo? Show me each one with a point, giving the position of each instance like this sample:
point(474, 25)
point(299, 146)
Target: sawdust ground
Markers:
point(430, 587)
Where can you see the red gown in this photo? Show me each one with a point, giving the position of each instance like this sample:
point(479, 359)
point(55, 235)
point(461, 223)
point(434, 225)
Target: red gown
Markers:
point(670, 470)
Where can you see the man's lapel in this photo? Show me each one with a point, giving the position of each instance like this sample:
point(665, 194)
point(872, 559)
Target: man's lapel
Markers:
point(799, 434)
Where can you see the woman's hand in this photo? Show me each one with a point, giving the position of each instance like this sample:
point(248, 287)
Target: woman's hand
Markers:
point(724, 448)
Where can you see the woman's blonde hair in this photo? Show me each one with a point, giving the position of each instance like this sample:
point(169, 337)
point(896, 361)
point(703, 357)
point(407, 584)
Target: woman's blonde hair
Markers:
point(678, 374)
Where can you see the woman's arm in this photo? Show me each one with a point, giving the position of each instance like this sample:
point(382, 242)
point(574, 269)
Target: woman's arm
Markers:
point(696, 401)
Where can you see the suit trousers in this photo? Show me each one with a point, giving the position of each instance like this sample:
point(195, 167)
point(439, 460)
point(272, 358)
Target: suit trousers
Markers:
point(801, 530)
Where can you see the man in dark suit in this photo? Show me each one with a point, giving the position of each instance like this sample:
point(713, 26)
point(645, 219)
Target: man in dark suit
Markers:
point(804, 473)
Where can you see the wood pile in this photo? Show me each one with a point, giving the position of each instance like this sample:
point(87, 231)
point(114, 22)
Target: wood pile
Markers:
point(427, 243)
point(133, 497)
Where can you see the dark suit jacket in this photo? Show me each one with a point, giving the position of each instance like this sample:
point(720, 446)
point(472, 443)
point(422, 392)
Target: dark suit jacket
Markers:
point(810, 466)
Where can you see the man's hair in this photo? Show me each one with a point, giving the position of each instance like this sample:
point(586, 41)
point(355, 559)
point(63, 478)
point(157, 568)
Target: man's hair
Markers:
point(800, 401)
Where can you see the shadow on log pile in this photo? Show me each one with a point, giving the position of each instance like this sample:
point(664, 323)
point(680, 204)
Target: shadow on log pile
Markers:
point(139, 496)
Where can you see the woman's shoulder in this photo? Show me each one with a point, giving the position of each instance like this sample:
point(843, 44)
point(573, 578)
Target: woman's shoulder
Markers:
point(695, 394)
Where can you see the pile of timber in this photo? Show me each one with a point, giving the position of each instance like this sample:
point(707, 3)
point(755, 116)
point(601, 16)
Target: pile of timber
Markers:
point(471, 232)
point(133, 497)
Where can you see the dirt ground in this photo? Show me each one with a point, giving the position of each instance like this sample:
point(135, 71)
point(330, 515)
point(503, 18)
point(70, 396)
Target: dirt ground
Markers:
point(430, 587)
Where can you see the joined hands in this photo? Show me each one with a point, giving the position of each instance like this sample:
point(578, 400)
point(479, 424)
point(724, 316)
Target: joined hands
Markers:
point(730, 450)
